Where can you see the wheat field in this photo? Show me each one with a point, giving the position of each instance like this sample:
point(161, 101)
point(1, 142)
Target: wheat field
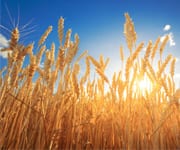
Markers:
point(138, 108)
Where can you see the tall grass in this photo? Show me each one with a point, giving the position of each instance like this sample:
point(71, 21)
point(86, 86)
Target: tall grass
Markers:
point(62, 110)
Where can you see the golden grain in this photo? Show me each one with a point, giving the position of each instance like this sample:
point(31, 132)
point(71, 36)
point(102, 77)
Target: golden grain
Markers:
point(146, 57)
point(61, 106)
point(102, 75)
point(128, 65)
point(44, 36)
point(121, 53)
point(155, 47)
point(25, 51)
point(150, 68)
point(172, 67)
point(39, 54)
point(137, 51)
point(164, 42)
point(32, 67)
point(81, 56)
point(60, 59)
point(161, 69)
point(87, 72)
point(14, 39)
point(129, 32)
point(95, 63)
point(67, 39)
point(148, 51)
point(52, 51)
point(75, 84)
point(72, 50)
point(61, 29)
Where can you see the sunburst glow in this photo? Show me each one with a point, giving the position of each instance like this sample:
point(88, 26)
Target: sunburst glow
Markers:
point(145, 84)
point(142, 85)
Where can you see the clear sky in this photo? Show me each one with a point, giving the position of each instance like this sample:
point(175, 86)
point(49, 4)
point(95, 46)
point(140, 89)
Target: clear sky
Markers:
point(99, 23)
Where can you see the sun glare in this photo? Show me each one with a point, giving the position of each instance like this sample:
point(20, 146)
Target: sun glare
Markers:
point(143, 85)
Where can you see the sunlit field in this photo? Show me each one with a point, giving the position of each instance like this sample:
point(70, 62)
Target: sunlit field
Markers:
point(56, 107)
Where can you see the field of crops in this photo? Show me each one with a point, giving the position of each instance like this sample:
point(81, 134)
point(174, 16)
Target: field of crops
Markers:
point(60, 109)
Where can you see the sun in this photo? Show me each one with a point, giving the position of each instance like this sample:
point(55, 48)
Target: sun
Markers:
point(143, 85)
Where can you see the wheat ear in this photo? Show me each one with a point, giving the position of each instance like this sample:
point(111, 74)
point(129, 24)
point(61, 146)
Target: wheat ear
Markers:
point(26, 50)
point(102, 75)
point(61, 29)
point(67, 39)
point(14, 38)
point(163, 66)
point(52, 51)
point(39, 54)
point(121, 53)
point(128, 65)
point(163, 45)
point(172, 67)
point(44, 36)
point(95, 63)
point(155, 47)
point(137, 51)
point(84, 78)
point(72, 50)
point(60, 62)
point(129, 32)
point(149, 66)
point(82, 55)
point(146, 56)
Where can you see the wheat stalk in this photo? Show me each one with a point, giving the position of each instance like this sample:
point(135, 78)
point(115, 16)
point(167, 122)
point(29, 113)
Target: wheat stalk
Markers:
point(128, 65)
point(68, 39)
point(152, 72)
point(60, 62)
point(61, 29)
point(44, 36)
point(61, 59)
point(39, 54)
point(75, 82)
point(129, 32)
point(121, 53)
point(32, 67)
point(87, 72)
point(172, 67)
point(164, 65)
point(161, 49)
point(82, 55)
point(155, 47)
point(62, 106)
point(25, 51)
point(146, 56)
point(14, 39)
point(95, 63)
point(137, 51)
point(52, 51)
point(100, 72)
point(72, 50)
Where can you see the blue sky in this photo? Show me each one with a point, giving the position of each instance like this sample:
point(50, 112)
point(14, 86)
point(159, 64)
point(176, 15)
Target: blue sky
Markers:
point(99, 23)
